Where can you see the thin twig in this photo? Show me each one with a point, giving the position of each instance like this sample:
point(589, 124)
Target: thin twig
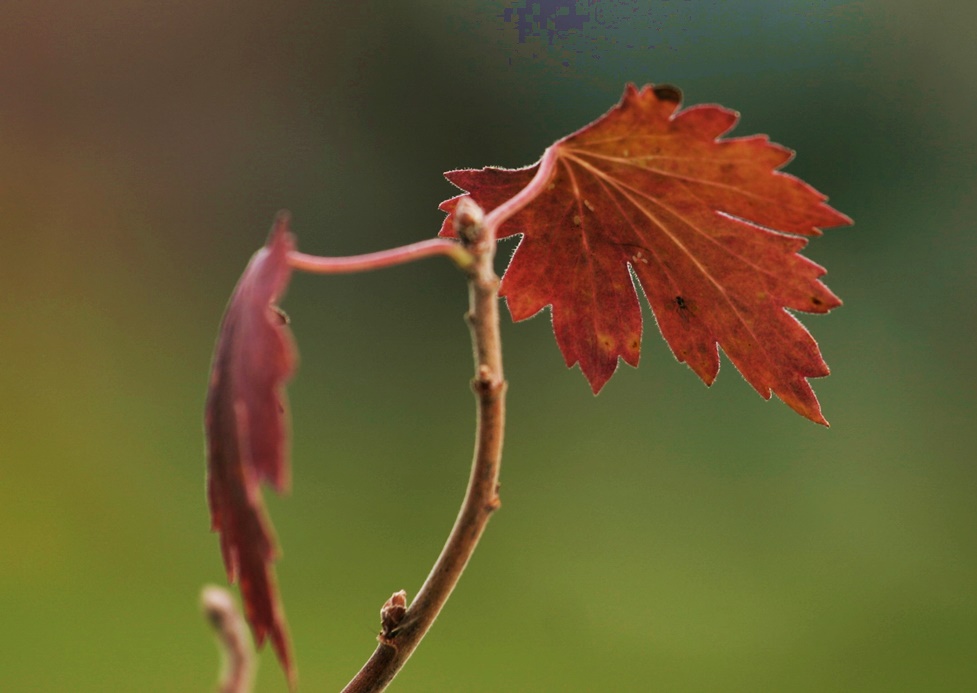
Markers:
point(402, 634)
point(237, 668)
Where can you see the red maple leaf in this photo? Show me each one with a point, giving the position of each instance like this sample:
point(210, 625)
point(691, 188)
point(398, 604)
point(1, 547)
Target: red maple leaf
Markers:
point(702, 222)
point(246, 425)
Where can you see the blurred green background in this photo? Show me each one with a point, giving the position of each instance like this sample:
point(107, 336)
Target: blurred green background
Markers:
point(663, 536)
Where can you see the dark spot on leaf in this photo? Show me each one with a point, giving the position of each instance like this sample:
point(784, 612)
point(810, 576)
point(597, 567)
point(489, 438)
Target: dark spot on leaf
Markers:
point(816, 301)
point(685, 309)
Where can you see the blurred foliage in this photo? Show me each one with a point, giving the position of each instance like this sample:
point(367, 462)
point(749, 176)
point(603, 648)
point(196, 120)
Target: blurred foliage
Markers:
point(663, 535)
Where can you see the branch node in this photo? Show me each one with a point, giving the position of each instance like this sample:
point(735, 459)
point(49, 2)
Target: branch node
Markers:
point(487, 385)
point(469, 219)
point(391, 615)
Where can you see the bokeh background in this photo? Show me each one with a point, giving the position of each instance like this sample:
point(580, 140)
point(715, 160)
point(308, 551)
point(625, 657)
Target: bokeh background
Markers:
point(663, 536)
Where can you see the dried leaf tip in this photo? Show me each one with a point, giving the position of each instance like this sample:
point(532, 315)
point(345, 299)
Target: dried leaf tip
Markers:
point(668, 92)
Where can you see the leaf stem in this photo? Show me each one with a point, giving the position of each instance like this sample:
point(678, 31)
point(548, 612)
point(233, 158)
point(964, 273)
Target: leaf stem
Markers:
point(402, 634)
point(497, 216)
point(381, 259)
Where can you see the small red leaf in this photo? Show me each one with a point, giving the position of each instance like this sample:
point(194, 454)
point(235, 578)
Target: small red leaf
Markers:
point(700, 221)
point(247, 437)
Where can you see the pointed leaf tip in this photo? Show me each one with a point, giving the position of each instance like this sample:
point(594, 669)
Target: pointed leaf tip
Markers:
point(246, 423)
point(701, 222)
